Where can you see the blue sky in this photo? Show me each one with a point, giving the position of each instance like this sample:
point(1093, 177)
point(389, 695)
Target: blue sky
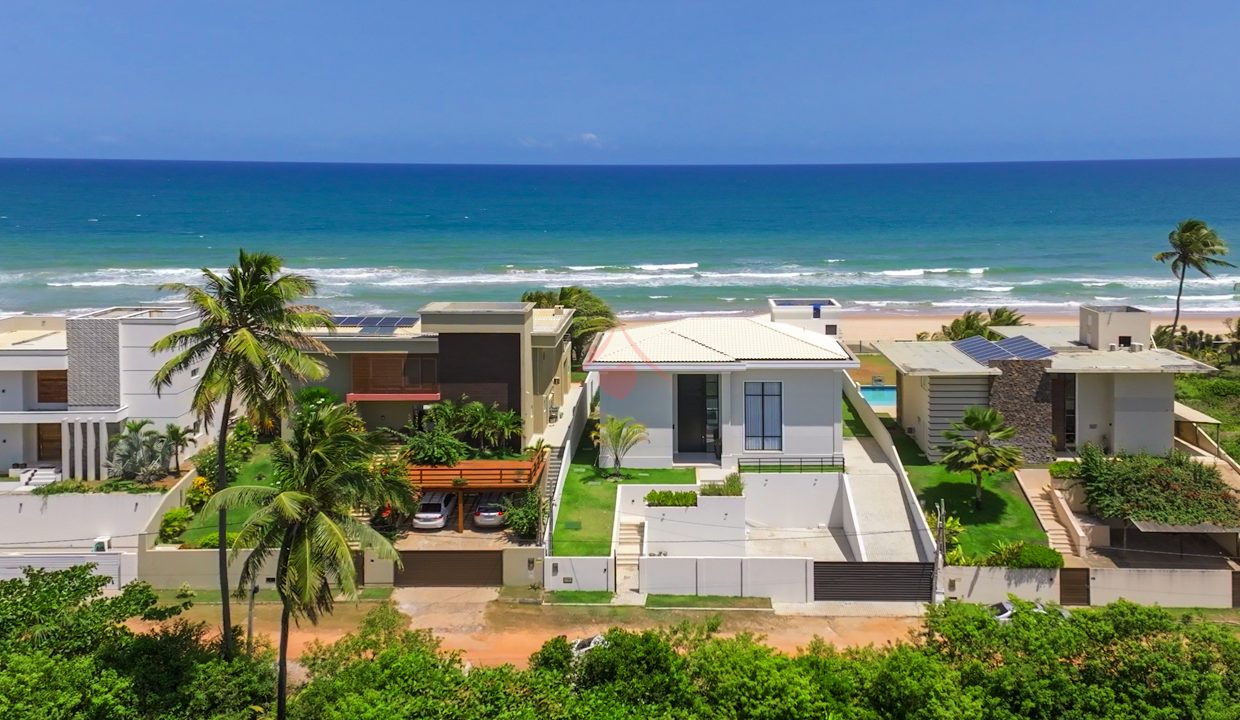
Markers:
point(612, 82)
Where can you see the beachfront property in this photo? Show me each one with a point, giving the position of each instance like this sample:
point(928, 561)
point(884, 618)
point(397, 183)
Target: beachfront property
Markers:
point(1099, 381)
point(67, 384)
point(819, 315)
point(507, 353)
point(726, 390)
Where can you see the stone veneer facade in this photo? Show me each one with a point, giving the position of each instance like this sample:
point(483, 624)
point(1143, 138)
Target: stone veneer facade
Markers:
point(1023, 394)
point(94, 363)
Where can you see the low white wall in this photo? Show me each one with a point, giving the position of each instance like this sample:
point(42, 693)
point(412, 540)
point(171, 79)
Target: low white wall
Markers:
point(74, 520)
point(1171, 588)
point(578, 573)
point(169, 568)
point(120, 568)
point(925, 538)
point(1076, 534)
point(793, 500)
point(994, 584)
point(852, 533)
point(781, 579)
point(716, 527)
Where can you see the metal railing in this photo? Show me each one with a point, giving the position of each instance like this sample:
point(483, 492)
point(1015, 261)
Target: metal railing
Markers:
point(467, 473)
point(834, 463)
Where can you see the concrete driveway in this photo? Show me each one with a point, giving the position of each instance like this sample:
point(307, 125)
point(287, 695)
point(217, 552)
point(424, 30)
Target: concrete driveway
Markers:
point(446, 610)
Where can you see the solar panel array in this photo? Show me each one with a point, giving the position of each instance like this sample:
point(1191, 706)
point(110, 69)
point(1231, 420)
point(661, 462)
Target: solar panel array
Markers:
point(1025, 349)
point(1013, 348)
point(375, 321)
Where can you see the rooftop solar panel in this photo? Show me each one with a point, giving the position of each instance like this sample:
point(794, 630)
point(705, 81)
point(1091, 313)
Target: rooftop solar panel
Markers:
point(371, 321)
point(1025, 349)
point(982, 350)
point(376, 330)
point(346, 320)
point(387, 322)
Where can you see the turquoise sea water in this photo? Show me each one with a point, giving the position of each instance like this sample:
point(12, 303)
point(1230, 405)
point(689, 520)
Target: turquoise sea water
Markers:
point(653, 240)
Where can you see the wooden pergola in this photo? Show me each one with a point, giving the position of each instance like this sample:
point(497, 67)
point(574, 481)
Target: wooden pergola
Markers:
point(478, 476)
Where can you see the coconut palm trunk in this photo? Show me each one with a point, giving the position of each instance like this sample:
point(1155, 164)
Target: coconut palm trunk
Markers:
point(221, 482)
point(285, 615)
point(1179, 296)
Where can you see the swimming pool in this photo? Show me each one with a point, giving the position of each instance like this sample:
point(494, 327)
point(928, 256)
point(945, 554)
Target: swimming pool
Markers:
point(879, 394)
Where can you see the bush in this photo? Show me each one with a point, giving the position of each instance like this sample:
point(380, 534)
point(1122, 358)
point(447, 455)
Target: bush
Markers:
point(524, 513)
point(242, 439)
point(671, 498)
point(212, 541)
point(1023, 555)
point(1172, 489)
point(200, 491)
point(205, 462)
point(62, 487)
point(732, 486)
point(174, 522)
point(314, 396)
point(555, 655)
point(435, 447)
point(1064, 469)
point(135, 487)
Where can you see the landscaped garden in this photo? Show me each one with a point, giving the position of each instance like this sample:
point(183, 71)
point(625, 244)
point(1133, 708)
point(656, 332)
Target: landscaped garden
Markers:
point(583, 522)
point(1004, 515)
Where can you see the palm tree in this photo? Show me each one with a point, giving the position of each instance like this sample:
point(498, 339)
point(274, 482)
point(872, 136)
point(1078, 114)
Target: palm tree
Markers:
point(1003, 317)
point(506, 424)
point(974, 446)
point(178, 438)
point(618, 436)
point(1194, 246)
point(139, 454)
point(591, 313)
point(976, 323)
point(251, 335)
point(326, 470)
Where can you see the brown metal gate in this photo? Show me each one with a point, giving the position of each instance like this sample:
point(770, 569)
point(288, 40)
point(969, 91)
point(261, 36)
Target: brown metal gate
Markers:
point(430, 568)
point(1074, 586)
point(874, 581)
point(1235, 588)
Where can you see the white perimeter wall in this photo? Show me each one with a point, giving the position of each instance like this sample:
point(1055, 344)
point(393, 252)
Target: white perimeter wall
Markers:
point(577, 573)
point(715, 527)
point(75, 520)
point(1170, 588)
point(648, 398)
point(119, 568)
point(993, 584)
point(781, 579)
point(794, 500)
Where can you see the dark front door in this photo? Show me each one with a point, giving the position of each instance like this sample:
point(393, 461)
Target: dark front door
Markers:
point(691, 413)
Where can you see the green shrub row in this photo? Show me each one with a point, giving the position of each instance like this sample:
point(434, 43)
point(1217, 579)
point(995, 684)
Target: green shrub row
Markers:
point(671, 498)
point(732, 486)
point(1022, 555)
point(173, 523)
point(68, 486)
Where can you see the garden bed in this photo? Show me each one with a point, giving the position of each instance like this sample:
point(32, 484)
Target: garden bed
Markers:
point(257, 470)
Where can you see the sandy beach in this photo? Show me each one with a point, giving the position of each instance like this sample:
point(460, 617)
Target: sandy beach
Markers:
point(868, 326)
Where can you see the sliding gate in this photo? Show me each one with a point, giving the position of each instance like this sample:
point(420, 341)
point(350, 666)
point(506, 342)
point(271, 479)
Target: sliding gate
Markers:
point(874, 581)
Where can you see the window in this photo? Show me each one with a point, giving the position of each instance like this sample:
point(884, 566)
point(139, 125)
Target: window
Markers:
point(817, 312)
point(1125, 341)
point(764, 416)
point(831, 330)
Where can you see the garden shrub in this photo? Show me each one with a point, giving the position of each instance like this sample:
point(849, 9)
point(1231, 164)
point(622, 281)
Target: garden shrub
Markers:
point(174, 522)
point(1022, 555)
point(732, 486)
point(200, 491)
point(212, 541)
point(62, 487)
point(314, 396)
point(524, 513)
point(1172, 489)
point(435, 447)
point(205, 462)
point(242, 439)
point(671, 498)
point(1063, 469)
point(135, 487)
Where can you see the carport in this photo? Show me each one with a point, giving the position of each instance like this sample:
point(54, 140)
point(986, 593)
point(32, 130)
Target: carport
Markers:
point(472, 476)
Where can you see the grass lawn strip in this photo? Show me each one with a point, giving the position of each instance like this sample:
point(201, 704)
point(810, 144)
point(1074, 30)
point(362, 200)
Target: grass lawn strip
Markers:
point(707, 602)
point(1005, 515)
point(853, 426)
point(585, 597)
point(583, 522)
point(258, 471)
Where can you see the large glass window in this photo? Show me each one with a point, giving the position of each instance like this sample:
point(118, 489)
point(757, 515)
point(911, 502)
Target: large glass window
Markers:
point(764, 416)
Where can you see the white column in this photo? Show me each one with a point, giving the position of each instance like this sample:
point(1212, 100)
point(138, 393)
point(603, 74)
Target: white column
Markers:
point(66, 443)
point(79, 451)
point(725, 417)
point(103, 449)
point(91, 470)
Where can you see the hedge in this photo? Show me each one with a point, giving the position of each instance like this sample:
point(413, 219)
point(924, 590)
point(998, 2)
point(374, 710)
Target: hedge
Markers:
point(671, 498)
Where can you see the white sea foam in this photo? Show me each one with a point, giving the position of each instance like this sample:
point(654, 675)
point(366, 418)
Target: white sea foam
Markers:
point(583, 267)
point(995, 288)
point(835, 260)
point(636, 314)
point(667, 266)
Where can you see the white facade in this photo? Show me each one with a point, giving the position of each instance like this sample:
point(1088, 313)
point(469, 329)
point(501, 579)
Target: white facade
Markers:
point(1126, 412)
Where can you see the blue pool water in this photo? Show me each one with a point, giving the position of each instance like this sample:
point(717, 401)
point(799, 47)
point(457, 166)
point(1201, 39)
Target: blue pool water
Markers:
point(879, 394)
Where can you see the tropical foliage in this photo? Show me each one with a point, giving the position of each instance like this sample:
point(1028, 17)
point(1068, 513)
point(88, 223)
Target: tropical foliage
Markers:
point(732, 486)
point(672, 498)
point(617, 436)
point(1172, 489)
point(1022, 555)
point(139, 453)
point(524, 513)
point(250, 344)
point(324, 472)
point(1194, 246)
point(975, 445)
point(974, 323)
point(591, 314)
point(450, 431)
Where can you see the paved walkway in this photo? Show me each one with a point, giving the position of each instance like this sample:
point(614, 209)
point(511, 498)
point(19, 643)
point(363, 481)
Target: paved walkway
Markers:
point(1036, 484)
point(882, 517)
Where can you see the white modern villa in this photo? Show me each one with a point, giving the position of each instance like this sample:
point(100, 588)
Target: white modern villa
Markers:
point(67, 384)
point(725, 390)
point(1099, 381)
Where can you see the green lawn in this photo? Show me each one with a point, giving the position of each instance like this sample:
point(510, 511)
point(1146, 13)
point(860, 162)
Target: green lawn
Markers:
point(706, 601)
point(853, 427)
point(591, 597)
point(1005, 515)
point(578, 376)
point(257, 471)
point(1217, 396)
point(588, 503)
point(874, 364)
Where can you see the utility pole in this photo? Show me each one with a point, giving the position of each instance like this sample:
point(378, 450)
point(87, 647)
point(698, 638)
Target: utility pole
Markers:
point(940, 538)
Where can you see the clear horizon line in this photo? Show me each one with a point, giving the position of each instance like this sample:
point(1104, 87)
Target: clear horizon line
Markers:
point(21, 158)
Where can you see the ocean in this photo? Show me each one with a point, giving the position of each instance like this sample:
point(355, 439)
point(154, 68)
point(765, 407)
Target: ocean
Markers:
point(651, 240)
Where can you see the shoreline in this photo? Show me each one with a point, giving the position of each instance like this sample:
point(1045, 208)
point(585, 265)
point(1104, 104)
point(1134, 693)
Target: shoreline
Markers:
point(864, 326)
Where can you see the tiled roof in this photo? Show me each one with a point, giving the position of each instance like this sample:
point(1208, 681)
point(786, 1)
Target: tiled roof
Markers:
point(714, 340)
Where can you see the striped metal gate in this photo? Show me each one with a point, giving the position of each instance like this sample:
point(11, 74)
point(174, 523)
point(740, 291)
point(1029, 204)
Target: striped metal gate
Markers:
point(874, 581)
point(1074, 586)
point(465, 568)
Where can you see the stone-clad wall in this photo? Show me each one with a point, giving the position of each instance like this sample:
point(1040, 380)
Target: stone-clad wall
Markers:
point(1023, 394)
point(94, 362)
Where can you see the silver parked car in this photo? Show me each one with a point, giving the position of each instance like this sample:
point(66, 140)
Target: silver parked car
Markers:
point(489, 511)
point(434, 511)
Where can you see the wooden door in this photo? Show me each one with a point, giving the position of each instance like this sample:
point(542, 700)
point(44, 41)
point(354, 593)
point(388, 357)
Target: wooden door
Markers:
point(48, 440)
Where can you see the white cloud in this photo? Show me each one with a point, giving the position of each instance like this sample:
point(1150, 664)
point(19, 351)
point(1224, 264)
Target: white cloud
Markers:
point(588, 139)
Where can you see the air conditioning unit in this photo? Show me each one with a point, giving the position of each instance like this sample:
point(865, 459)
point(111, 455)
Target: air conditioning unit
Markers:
point(103, 544)
point(1112, 347)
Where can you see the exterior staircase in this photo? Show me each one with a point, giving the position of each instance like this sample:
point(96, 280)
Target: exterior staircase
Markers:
point(555, 460)
point(1055, 532)
point(629, 547)
point(43, 476)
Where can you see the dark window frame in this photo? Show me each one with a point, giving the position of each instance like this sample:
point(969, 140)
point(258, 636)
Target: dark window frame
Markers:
point(761, 440)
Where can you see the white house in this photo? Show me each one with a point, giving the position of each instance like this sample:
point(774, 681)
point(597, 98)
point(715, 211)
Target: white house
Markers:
point(68, 383)
point(724, 390)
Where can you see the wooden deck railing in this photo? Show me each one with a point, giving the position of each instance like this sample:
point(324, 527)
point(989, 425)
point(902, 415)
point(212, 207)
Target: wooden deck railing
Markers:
point(479, 474)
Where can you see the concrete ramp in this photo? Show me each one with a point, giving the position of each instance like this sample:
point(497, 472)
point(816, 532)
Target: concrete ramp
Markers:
point(878, 503)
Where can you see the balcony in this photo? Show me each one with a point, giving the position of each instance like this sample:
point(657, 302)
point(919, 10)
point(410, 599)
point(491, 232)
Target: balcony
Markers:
point(394, 377)
point(479, 475)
